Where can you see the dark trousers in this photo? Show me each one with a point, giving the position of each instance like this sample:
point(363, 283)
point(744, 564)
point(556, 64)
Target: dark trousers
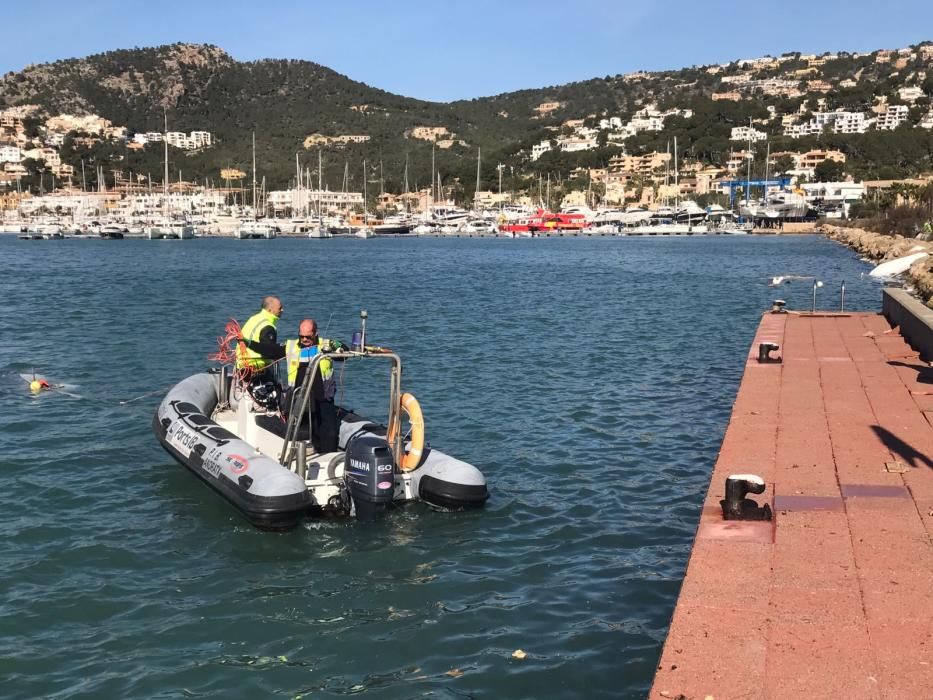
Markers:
point(325, 426)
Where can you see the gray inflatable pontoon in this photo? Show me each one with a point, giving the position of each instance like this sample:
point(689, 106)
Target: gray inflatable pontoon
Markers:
point(269, 470)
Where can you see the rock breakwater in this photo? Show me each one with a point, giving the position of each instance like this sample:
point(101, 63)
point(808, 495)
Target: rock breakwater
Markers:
point(880, 248)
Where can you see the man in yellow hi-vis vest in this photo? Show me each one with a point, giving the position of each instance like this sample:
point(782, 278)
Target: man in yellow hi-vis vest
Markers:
point(299, 354)
point(259, 345)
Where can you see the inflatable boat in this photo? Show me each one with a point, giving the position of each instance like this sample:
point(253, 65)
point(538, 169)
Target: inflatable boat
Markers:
point(232, 435)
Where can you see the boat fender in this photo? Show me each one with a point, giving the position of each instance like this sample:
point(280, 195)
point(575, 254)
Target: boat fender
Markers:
point(412, 458)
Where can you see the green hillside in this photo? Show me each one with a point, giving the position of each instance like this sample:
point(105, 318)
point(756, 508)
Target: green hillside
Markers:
point(284, 101)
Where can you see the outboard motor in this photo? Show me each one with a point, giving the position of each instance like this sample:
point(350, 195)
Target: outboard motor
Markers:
point(370, 476)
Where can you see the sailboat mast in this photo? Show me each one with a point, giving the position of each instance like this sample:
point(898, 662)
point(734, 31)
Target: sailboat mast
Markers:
point(676, 174)
point(433, 198)
point(767, 169)
point(165, 175)
point(479, 160)
point(255, 211)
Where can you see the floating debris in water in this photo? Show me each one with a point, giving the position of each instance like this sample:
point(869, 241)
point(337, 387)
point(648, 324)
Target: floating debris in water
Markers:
point(519, 654)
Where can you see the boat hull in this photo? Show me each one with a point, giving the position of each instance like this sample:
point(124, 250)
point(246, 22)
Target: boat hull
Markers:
point(270, 495)
point(266, 493)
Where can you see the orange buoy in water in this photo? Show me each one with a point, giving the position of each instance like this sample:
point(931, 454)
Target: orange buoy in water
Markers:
point(37, 385)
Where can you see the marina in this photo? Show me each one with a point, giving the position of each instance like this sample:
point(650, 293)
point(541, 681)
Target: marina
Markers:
point(455, 368)
point(596, 467)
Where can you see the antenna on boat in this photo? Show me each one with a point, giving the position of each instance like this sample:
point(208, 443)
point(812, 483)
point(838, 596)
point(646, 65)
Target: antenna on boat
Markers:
point(363, 316)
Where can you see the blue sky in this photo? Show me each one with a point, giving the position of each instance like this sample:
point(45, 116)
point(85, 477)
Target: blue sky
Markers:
point(443, 50)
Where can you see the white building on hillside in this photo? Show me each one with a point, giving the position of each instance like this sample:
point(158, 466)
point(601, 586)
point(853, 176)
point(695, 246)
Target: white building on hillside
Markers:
point(10, 154)
point(747, 133)
point(178, 139)
point(540, 149)
point(893, 117)
point(850, 123)
point(910, 94)
point(841, 122)
point(577, 144)
point(199, 139)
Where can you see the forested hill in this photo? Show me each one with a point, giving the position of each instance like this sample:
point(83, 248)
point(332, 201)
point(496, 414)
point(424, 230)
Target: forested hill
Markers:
point(286, 101)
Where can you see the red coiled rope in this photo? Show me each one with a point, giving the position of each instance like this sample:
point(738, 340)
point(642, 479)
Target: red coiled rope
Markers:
point(227, 348)
point(226, 344)
point(226, 352)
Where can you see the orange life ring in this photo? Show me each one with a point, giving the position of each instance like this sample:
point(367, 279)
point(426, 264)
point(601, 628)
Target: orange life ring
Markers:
point(411, 459)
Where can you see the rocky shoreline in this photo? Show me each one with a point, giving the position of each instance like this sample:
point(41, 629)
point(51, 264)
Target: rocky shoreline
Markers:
point(879, 248)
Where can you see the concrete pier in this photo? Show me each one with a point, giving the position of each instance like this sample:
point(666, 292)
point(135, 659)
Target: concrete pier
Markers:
point(834, 597)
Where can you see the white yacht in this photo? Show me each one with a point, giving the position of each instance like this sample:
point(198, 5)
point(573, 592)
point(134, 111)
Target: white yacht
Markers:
point(254, 229)
point(168, 230)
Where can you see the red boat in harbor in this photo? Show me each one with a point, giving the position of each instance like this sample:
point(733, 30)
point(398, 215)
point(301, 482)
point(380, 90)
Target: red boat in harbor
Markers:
point(543, 221)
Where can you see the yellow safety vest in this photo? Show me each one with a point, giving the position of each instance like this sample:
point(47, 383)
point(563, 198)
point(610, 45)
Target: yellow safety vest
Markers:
point(246, 357)
point(293, 358)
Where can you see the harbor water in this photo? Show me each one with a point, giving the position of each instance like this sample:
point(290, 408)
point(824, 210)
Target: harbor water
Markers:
point(590, 379)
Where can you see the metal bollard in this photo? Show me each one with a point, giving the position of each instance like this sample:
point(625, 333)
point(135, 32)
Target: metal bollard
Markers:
point(765, 350)
point(842, 298)
point(736, 507)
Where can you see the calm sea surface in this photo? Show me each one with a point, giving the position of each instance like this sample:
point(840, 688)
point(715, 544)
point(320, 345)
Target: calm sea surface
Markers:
point(590, 379)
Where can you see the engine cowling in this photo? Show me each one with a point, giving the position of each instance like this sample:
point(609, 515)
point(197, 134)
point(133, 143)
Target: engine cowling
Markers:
point(370, 476)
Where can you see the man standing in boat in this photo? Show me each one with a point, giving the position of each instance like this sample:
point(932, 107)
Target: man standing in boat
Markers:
point(300, 353)
point(258, 347)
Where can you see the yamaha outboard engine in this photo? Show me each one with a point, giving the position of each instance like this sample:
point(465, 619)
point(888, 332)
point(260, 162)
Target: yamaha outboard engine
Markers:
point(370, 476)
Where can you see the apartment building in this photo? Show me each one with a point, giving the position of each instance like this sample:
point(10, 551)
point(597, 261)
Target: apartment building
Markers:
point(177, 138)
point(10, 154)
point(647, 123)
point(85, 124)
point(840, 121)
point(818, 86)
point(805, 163)
point(738, 160)
point(850, 123)
point(540, 149)
point(48, 155)
point(643, 166)
point(329, 201)
point(893, 117)
point(200, 139)
point(576, 144)
point(747, 133)
point(910, 94)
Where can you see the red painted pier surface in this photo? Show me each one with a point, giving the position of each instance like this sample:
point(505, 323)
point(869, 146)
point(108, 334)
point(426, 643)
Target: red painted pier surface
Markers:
point(834, 597)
